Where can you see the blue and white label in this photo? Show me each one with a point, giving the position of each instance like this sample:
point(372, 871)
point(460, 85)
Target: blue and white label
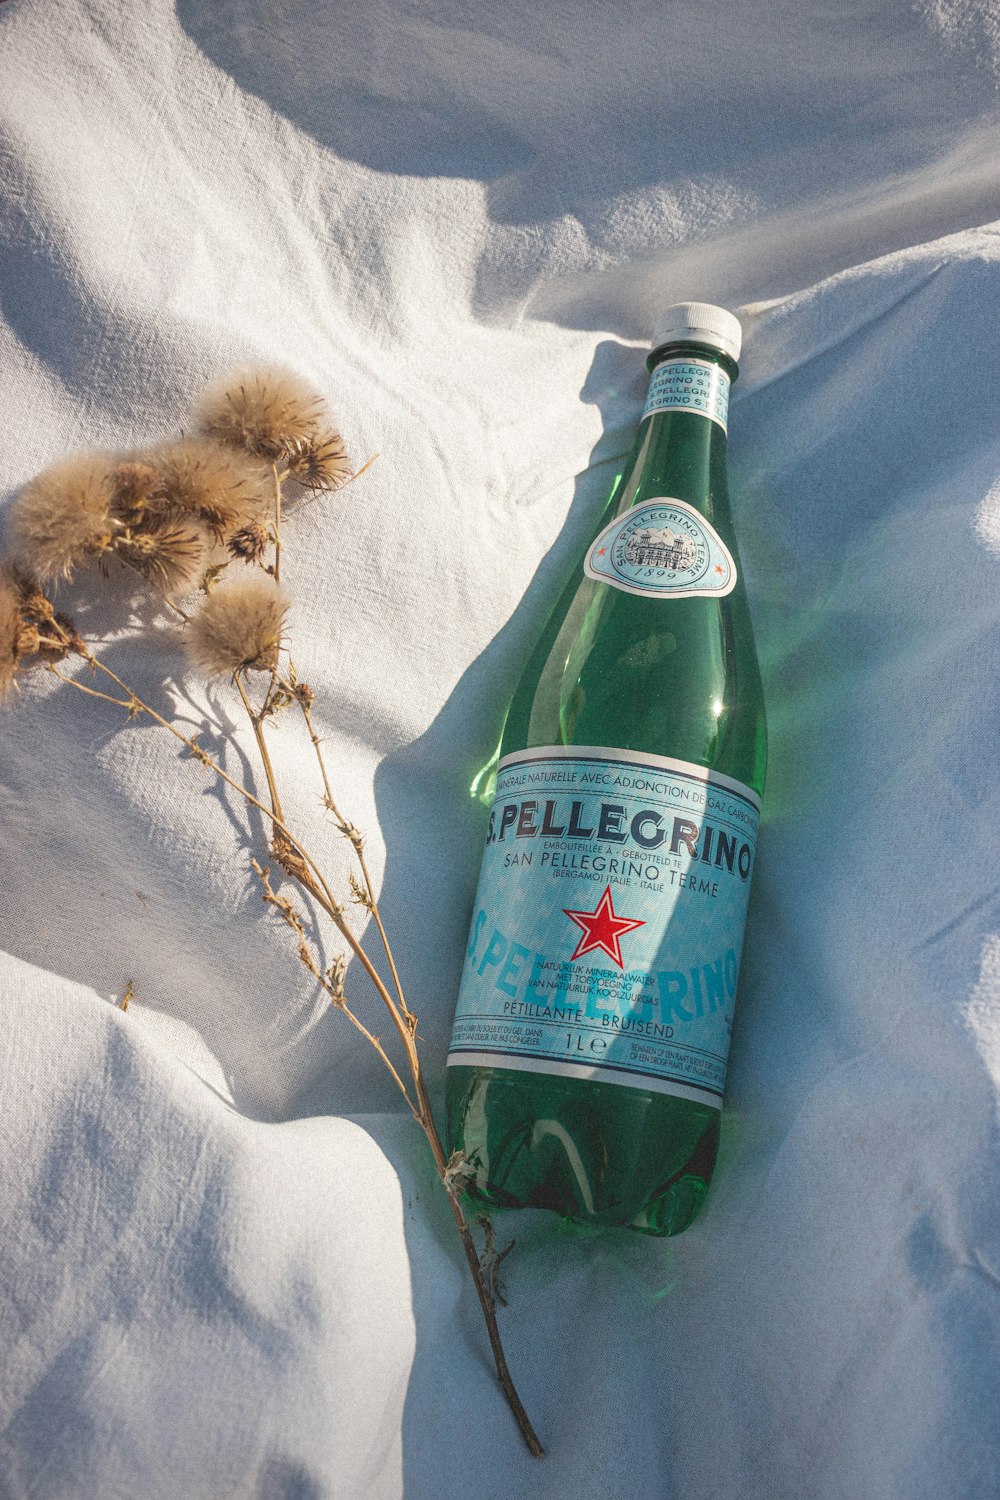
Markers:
point(664, 547)
point(608, 923)
point(695, 385)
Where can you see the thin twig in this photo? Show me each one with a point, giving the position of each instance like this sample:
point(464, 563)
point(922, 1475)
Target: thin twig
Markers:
point(346, 1010)
point(345, 828)
point(172, 604)
point(483, 1290)
point(83, 688)
point(308, 960)
point(424, 1116)
point(255, 720)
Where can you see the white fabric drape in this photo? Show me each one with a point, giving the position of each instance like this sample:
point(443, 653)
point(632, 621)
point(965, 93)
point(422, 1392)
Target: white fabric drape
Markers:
point(226, 1269)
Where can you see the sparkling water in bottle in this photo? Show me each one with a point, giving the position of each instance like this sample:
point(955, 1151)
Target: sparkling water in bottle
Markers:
point(589, 1050)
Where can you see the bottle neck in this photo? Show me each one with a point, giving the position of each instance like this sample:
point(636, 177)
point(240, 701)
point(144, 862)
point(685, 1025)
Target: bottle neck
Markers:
point(681, 449)
point(693, 378)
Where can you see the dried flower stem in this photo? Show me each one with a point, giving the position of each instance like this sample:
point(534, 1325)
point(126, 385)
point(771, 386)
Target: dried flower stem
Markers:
point(403, 1019)
point(255, 720)
point(172, 604)
point(301, 867)
point(345, 829)
point(405, 1023)
point(308, 959)
point(82, 687)
point(484, 1290)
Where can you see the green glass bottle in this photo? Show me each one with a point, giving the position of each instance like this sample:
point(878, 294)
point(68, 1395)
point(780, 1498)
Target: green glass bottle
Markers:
point(589, 1050)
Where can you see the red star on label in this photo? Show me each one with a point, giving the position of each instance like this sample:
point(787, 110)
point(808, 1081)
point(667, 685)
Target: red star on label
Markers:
point(601, 551)
point(601, 928)
point(719, 568)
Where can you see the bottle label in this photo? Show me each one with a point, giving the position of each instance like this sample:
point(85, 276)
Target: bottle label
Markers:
point(690, 385)
point(606, 935)
point(663, 547)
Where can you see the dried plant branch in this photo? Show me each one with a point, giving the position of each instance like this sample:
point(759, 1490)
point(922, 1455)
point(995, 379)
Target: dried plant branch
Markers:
point(162, 513)
point(304, 701)
point(255, 720)
point(82, 687)
point(491, 1258)
point(424, 1116)
point(308, 875)
point(335, 991)
point(363, 470)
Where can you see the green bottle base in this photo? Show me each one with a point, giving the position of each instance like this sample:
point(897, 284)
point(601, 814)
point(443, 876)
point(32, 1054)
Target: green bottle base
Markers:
point(596, 1153)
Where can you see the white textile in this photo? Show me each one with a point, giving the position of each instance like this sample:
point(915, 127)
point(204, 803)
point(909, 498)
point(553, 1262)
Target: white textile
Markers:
point(226, 1269)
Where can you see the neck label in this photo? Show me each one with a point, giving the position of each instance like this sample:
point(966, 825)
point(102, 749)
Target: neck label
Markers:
point(695, 385)
point(662, 547)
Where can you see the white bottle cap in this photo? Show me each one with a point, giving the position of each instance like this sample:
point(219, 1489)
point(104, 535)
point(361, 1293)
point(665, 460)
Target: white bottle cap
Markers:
point(699, 323)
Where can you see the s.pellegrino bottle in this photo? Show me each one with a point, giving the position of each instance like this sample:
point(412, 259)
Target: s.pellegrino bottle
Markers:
point(589, 1050)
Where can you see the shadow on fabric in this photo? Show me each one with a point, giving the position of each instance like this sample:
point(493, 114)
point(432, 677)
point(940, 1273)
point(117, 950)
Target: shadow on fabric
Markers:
point(635, 151)
point(436, 771)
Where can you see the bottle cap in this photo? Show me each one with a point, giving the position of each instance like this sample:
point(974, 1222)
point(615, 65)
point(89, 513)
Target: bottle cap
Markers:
point(699, 323)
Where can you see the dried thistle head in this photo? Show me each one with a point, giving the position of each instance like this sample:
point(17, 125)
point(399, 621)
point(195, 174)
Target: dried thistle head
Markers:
point(240, 625)
point(170, 555)
point(135, 490)
point(249, 543)
point(29, 627)
point(322, 463)
point(198, 478)
point(270, 412)
point(63, 517)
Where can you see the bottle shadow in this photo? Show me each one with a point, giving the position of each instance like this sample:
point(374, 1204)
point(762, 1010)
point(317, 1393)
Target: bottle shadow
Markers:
point(430, 820)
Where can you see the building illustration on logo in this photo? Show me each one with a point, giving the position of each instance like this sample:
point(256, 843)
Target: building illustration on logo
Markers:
point(663, 548)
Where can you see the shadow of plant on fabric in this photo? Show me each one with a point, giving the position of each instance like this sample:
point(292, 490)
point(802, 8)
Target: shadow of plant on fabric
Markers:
point(199, 522)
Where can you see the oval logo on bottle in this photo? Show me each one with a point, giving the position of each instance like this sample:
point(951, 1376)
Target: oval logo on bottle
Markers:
point(662, 547)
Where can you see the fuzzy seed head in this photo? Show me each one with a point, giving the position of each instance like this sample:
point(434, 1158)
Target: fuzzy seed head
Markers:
point(268, 412)
point(321, 464)
point(239, 626)
point(249, 543)
point(134, 490)
point(200, 479)
point(172, 556)
point(63, 517)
